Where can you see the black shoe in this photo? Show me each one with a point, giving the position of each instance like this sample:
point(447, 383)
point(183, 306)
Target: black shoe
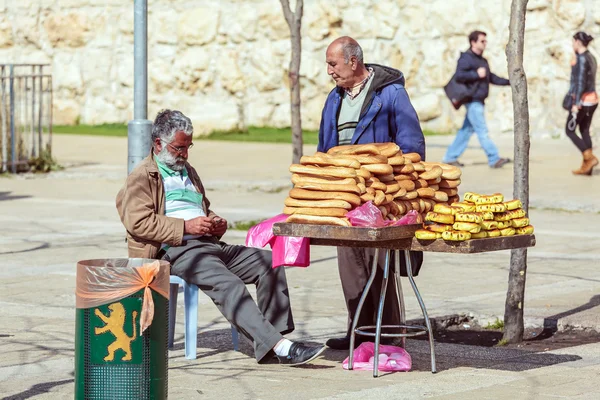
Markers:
point(500, 163)
point(343, 343)
point(456, 163)
point(301, 353)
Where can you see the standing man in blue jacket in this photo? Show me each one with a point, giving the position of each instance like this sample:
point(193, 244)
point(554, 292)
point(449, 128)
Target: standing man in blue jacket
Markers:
point(368, 105)
point(474, 71)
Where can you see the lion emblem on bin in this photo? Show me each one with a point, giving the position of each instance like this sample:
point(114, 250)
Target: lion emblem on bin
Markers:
point(115, 322)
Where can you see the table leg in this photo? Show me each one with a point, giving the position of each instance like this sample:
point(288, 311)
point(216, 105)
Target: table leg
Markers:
point(400, 295)
point(359, 308)
point(420, 300)
point(384, 283)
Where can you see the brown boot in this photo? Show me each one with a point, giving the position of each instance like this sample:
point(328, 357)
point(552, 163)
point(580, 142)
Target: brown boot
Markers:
point(589, 162)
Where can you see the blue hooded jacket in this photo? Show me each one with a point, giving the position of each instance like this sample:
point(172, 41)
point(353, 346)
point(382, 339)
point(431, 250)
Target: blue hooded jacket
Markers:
point(386, 115)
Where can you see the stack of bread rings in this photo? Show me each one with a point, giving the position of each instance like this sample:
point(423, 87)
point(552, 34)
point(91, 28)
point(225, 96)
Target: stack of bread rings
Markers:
point(328, 185)
point(477, 217)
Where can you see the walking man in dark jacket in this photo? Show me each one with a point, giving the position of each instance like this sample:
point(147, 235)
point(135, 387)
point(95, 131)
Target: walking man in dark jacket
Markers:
point(368, 105)
point(474, 71)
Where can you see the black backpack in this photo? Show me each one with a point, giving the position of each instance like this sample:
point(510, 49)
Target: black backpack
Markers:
point(459, 93)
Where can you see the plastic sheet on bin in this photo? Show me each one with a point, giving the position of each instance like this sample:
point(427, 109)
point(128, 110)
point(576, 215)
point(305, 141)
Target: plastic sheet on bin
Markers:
point(368, 215)
point(104, 281)
point(391, 358)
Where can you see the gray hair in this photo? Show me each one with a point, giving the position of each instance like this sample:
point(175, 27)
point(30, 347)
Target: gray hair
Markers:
point(352, 50)
point(167, 122)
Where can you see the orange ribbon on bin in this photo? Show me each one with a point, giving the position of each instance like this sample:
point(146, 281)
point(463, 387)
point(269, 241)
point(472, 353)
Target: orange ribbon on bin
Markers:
point(100, 283)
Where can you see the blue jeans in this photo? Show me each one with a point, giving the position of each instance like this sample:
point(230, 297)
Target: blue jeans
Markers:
point(474, 122)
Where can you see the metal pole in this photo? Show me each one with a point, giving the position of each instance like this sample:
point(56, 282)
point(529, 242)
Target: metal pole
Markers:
point(32, 122)
point(3, 116)
point(13, 147)
point(139, 129)
point(40, 110)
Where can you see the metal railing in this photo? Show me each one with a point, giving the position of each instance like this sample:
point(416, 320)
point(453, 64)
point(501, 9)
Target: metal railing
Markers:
point(25, 114)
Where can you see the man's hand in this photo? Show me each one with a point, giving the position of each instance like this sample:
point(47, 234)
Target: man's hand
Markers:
point(574, 109)
point(219, 226)
point(481, 72)
point(198, 226)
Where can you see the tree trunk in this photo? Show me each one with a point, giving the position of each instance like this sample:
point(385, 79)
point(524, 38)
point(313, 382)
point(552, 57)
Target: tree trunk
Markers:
point(294, 21)
point(515, 297)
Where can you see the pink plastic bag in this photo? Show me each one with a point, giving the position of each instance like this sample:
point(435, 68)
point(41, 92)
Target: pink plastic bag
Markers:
point(368, 215)
point(287, 250)
point(391, 358)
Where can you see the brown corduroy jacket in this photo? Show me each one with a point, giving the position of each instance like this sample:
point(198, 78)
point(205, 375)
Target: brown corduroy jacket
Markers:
point(141, 206)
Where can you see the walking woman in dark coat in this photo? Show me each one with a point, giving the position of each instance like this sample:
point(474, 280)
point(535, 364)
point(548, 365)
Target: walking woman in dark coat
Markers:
point(584, 101)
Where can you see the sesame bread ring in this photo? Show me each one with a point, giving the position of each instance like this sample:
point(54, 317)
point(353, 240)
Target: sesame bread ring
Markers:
point(366, 197)
point(421, 183)
point(432, 173)
point(364, 173)
point(327, 160)
point(489, 225)
point(496, 208)
point(355, 149)
point(467, 227)
point(381, 169)
point(392, 188)
point(440, 196)
point(424, 234)
point(317, 220)
point(440, 218)
point(407, 184)
point(510, 231)
point(400, 193)
point(388, 149)
point(413, 157)
point(325, 212)
point(427, 193)
point(303, 194)
point(494, 233)
point(449, 183)
point(327, 187)
point(396, 160)
point(339, 172)
point(377, 185)
point(379, 197)
point(513, 204)
point(409, 195)
point(468, 217)
point(519, 222)
point(450, 171)
point(406, 168)
point(367, 158)
point(434, 181)
point(361, 187)
point(389, 178)
point(526, 230)
point(435, 187)
point(442, 208)
point(449, 192)
point(301, 178)
point(456, 236)
point(466, 207)
point(419, 167)
point(291, 202)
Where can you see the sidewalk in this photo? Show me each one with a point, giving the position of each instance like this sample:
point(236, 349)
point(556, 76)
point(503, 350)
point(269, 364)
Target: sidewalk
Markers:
point(52, 221)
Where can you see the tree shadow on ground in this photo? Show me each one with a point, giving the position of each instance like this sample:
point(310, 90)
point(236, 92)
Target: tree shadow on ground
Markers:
point(7, 196)
point(38, 389)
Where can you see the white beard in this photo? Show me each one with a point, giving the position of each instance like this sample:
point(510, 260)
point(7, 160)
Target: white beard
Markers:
point(171, 161)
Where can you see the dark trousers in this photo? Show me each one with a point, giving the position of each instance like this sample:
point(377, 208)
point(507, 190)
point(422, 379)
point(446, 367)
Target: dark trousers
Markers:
point(583, 120)
point(222, 271)
point(355, 268)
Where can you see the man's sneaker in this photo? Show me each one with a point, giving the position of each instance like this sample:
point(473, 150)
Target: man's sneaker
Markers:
point(301, 353)
point(500, 163)
point(456, 163)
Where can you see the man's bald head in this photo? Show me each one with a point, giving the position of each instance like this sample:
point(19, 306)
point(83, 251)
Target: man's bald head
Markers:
point(348, 47)
point(345, 63)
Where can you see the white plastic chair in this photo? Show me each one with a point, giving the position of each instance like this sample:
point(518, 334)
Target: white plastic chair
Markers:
point(190, 300)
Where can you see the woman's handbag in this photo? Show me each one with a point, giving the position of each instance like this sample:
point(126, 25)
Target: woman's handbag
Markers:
point(568, 102)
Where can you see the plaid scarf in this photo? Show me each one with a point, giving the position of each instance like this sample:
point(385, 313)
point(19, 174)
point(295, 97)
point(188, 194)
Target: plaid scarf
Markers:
point(353, 91)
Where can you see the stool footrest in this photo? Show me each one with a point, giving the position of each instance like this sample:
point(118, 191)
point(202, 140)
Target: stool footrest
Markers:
point(421, 330)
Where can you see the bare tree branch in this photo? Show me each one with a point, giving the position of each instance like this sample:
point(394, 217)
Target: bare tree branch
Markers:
point(515, 296)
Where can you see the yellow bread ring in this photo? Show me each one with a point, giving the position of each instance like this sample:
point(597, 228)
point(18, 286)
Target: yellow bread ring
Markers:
point(513, 204)
point(435, 227)
point(491, 199)
point(471, 197)
point(489, 225)
point(519, 222)
point(487, 215)
point(505, 216)
point(456, 236)
point(494, 233)
point(518, 213)
point(443, 209)
point(424, 234)
point(468, 217)
point(440, 218)
point(526, 230)
point(467, 227)
point(479, 235)
point(504, 224)
point(496, 208)
point(507, 231)
point(466, 207)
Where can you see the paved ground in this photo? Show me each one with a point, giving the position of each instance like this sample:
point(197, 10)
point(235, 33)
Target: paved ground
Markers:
point(50, 222)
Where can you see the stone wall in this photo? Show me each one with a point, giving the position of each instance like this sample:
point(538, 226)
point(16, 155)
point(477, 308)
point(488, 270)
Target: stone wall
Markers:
point(224, 62)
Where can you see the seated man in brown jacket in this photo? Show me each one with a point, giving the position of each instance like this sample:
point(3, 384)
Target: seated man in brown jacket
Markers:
point(164, 208)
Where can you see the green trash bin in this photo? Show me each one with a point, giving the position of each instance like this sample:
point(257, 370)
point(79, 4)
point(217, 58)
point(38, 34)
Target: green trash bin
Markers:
point(115, 300)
